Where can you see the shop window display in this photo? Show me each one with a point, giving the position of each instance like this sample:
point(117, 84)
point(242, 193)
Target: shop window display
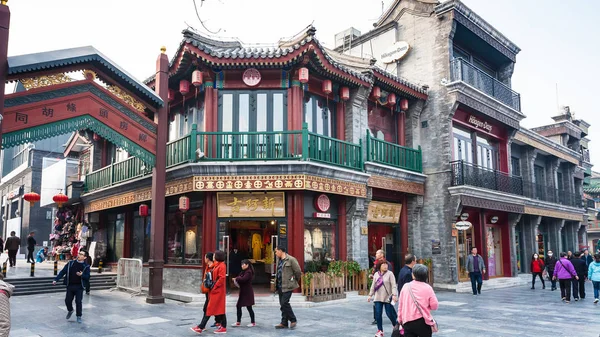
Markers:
point(69, 234)
point(319, 241)
point(184, 234)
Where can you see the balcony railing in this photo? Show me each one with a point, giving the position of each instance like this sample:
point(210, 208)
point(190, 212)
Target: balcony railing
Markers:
point(382, 152)
point(461, 70)
point(553, 195)
point(464, 173)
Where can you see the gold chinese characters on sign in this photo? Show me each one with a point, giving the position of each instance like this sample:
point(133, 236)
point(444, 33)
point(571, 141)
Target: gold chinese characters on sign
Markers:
point(251, 205)
point(385, 212)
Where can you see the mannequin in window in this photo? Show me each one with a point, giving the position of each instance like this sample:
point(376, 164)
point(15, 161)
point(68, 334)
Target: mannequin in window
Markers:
point(307, 246)
point(256, 246)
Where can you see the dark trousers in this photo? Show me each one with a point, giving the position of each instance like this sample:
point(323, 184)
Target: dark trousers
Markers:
point(205, 318)
point(565, 289)
point(287, 314)
point(12, 257)
point(30, 254)
point(476, 282)
point(533, 280)
point(222, 319)
point(579, 287)
point(552, 280)
point(250, 311)
point(74, 291)
point(417, 328)
point(389, 311)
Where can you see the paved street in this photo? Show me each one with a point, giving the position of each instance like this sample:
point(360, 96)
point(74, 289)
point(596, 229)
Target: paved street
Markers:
point(508, 312)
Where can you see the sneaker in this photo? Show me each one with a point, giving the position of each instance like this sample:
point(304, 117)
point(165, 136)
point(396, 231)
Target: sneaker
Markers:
point(216, 325)
point(567, 302)
point(374, 322)
point(236, 324)
point(564, 298)
point(596, 301)
point(221, 330)
point(69, 314)
point(293, 325)
point(577, 299)
point(78, 319)
point(197, 330)
point(251, 325)
point(281, 326)
point(379, 333)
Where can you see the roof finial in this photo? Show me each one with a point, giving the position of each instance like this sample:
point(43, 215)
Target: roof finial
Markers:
point(163, 49)
point(311, 30)
point(3, 2)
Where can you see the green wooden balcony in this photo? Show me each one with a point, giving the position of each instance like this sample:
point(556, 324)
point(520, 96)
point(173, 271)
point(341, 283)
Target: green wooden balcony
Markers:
point(386, 153)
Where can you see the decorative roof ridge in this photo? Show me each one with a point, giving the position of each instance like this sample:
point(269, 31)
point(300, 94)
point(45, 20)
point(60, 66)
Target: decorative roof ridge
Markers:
point(188, 33)
point(420, 89)
point(478, 20)
point(547, 141)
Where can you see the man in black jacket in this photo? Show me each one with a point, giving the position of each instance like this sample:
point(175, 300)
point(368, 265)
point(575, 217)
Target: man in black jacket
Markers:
point(405, 275)
point(582, 273)
point(550, 262)
point(30, 247)
point(76, 275)
point(12, 245)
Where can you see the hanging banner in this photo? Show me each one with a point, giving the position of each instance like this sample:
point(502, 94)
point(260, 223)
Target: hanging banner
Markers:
point(251, 205)
point(385, 212)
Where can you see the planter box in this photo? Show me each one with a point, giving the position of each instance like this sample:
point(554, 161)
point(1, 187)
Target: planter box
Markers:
point(323, 287)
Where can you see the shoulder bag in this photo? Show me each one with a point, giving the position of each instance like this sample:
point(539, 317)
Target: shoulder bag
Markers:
point(434, 326)
point(572, 276)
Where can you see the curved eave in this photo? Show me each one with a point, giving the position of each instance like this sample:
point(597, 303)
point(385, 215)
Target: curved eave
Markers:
point(78, 57)
point(393, 85)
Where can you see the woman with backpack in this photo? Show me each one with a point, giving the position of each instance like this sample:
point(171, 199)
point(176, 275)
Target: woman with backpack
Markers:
point(537, 267)
point(205, 286)
point(384, 292)
point(246, 297)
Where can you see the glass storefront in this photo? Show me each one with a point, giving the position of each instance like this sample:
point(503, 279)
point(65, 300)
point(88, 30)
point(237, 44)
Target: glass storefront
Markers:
point(319, 240)
point(184, 232)
point(464, 245)
point(115, 232)
point(140, 238)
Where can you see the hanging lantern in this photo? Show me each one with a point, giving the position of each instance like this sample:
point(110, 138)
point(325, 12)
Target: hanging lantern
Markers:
point(327, 87)
point(345, 93)
point(184, 203)
point(196, 78)
point(143, 210)
point(404, 104)
point(184, 87)
point(376, 92)
point(60, 199)
point(303, 75)
point(96, 137)
point(32, 197)
point(171, 95)
point(391, 99)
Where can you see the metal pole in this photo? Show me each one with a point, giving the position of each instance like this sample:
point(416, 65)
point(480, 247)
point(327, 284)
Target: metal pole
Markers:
point(55, 267)
point(32, 274)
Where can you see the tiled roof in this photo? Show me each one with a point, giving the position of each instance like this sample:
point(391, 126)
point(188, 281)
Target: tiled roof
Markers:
point(592, 189)
point(28, 63)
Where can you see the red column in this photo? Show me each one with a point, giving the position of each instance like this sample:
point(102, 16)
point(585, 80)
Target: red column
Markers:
point(296, 106)
point(404, 229)
point(296, 226)
point(503, 155)
point(4, 27)
point(159, 175)
point(341, 121)
point(401, 119)
point(209, 223)
point(342, 229)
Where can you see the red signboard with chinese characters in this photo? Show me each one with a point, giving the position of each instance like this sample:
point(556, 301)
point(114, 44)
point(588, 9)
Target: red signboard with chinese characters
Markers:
point(322, 203)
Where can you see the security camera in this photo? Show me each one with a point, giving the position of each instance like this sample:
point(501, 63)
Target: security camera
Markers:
point(199, 154)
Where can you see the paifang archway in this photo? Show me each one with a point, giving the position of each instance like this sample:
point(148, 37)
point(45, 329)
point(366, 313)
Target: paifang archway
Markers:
point(107, 100)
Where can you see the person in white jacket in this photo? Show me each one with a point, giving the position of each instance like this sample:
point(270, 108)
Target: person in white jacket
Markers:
point(6, 290)
point(594, 276)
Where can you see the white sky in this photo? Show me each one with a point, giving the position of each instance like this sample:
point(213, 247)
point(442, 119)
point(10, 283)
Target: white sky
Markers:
point(559, 39)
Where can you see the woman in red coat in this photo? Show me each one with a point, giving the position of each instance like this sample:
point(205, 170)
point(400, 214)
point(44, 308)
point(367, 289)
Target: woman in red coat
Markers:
point(218, 293)
point(246, 298)
point(537, 267)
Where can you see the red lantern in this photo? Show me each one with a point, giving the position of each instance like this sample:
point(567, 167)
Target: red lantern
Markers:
point(143, 210)
point(327, 87)
point(404, 104)
point(376, 92)
point(184, 203)
point(60, 199)
point(171, 95)
point(32, 197)
point(197, 78)
point(184, 87)
point(345, 93)
point(303, 75)
point(392, 99)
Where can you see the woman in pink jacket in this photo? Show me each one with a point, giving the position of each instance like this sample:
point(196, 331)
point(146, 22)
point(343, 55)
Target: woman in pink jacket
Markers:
point(416, 301)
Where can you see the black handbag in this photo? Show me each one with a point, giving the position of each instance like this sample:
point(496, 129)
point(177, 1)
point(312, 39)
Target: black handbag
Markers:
point(396, 331)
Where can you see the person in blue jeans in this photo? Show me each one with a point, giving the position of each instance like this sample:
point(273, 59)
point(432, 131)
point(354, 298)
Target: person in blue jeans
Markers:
point(594, 276)
point(476, 268)
point(384, 293)
point(76, 274)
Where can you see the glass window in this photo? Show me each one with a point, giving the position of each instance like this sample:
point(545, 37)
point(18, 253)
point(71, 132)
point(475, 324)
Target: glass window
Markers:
point(515, 166)
point(308, 114)
point(318, 116)
point(261, 112)
point(227, 113)
point(460, 53)
point(244, 113)
point(319, 241)
point(465, 244)
point(140, 241)
point(249, 111)
point(278, 112)
point(184, 233)
point(115, 230)
point(462, 145)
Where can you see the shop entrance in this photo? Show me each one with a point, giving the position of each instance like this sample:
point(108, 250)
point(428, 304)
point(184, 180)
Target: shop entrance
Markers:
point(387, 238)
point(254, 240)
point(494, 251)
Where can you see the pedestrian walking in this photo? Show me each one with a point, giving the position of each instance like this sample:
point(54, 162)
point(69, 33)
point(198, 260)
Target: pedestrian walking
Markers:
point(569, 255)
point(582, 272)
point(550, 262)
point(217, 294)
point(205, 287)
point(594, 276)
point(476, 269)
point(13, 243)
point(379, 259)
point(405, 275)
point(586, 257)
point(30, 247)
point(6, 290)
point(246, 296)
point(564, 272)
point(288, 276)
point(417, 300)
point(384, 292)
point(76, 273)
point(537, 268)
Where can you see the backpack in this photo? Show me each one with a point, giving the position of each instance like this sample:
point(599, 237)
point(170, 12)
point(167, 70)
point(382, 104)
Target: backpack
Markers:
point(209, 283)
